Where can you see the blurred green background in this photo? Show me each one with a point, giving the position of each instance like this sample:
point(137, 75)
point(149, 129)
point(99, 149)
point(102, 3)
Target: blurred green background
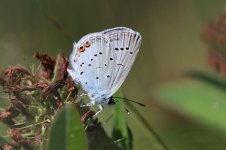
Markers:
point(172, 43)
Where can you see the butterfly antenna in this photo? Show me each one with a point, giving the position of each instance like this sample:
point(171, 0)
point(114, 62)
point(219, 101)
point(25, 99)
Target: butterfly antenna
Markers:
point(127, 111)
point(131, 101)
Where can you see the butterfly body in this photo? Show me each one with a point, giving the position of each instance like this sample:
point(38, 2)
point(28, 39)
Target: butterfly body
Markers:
point(101, 61)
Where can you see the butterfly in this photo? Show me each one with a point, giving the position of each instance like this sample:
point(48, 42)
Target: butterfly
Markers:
point(101, 61)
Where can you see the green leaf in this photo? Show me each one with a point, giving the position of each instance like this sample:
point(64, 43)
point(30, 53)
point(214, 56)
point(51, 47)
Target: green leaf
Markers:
point(211, 79)
point(121, 131)
point(154, 141)
point(3, 141)
point(203, 99)
point(67, 132)
point(4, 138)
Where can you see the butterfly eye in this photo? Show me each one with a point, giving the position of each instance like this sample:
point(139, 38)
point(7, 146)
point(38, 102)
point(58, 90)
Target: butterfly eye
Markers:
point(81, 49)
point(87, 44)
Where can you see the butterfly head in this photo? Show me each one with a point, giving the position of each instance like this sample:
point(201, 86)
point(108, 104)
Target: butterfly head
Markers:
point(111, 101)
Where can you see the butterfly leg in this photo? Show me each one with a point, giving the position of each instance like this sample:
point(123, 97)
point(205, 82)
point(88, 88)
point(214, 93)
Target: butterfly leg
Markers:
point(88, 104)
point(83, 94)
point(80, 95)
point(100, 109)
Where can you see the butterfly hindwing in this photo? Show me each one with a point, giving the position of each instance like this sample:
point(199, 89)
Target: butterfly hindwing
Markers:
point(85, 59)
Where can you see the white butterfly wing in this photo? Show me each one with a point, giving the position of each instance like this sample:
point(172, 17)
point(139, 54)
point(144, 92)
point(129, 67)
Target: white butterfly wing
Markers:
point(101, 66)
point(82, 61)
point(124, 44)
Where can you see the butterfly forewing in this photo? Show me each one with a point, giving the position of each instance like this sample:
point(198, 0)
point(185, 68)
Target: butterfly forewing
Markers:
point(125, 46)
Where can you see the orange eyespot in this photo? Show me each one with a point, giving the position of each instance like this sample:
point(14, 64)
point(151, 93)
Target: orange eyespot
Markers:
point(81, 49)
point(87, 44)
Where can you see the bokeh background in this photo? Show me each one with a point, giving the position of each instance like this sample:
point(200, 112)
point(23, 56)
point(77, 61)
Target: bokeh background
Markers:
point(172, 43)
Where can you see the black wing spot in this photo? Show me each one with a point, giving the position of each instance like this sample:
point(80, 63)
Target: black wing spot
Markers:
point(100, 53)
point(127, 48)
point(105, 64)
point(120, 65)
point(122, 48)
point(82, 64)
point(116, 49)
point(95, 54)
point(131, 52)
point(108, 76)
point(86, 82)
point(111, 58)
point(81, 73)
point(91, 59)
point(74, 60)
point(97, 77)
point(89, 65)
